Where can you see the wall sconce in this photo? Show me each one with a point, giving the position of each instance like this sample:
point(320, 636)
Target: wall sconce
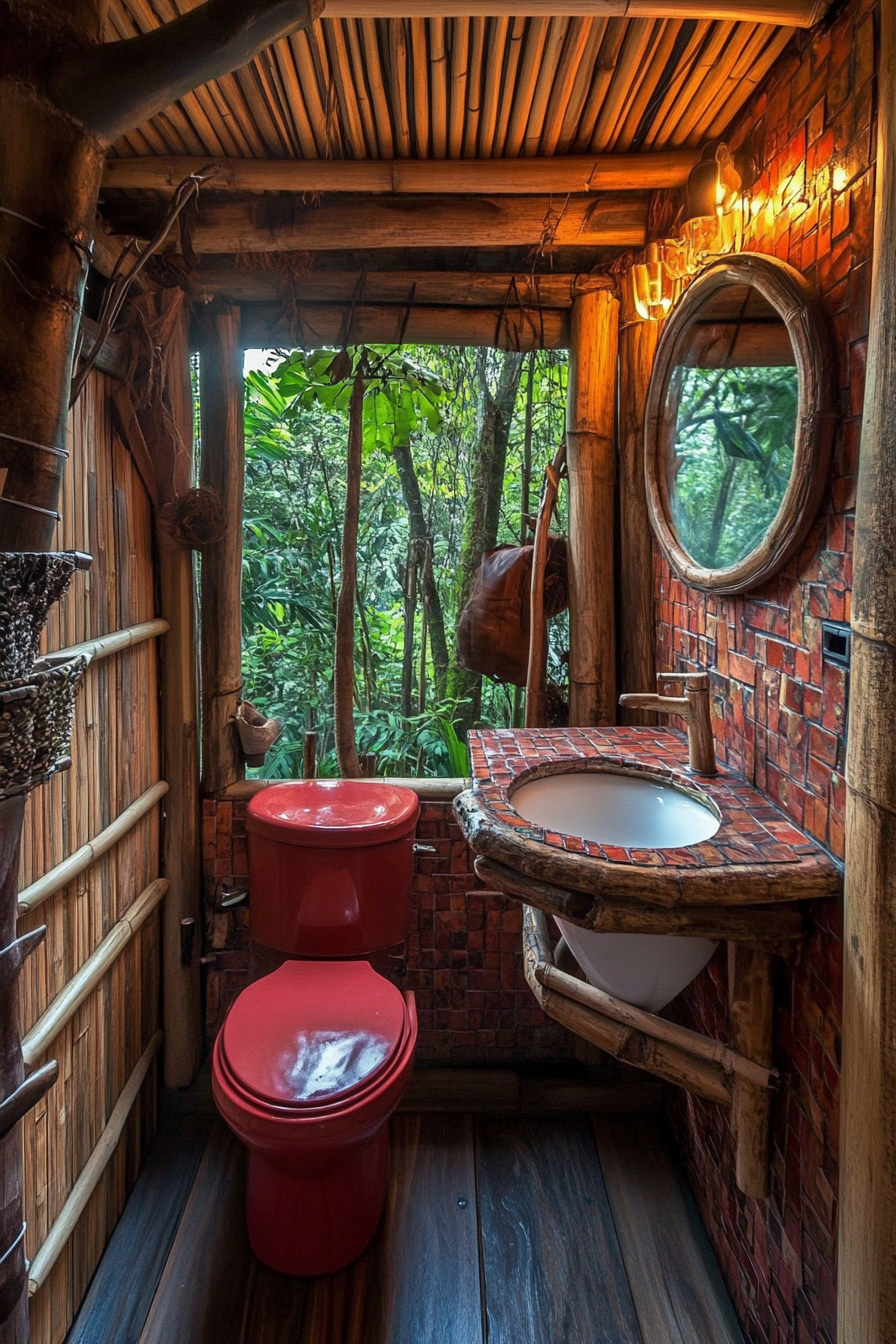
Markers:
point(652, 287)
point(714, 184)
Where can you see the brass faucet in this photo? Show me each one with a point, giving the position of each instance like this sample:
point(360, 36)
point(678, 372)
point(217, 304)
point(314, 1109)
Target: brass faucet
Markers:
point(693, 707)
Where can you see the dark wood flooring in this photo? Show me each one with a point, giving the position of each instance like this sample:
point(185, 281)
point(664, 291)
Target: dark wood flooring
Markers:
point(558, 1228)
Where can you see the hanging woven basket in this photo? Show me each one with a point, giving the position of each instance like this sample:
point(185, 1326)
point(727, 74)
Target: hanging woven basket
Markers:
point(36, 713)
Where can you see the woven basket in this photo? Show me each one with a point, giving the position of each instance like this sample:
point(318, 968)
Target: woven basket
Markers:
point(36, 715)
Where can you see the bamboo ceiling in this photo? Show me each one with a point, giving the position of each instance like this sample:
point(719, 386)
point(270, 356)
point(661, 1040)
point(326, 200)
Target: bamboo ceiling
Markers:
point(464, 88)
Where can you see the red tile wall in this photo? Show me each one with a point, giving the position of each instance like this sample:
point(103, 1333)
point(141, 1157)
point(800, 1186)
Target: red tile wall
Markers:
point(780, 714)
point(464, 954)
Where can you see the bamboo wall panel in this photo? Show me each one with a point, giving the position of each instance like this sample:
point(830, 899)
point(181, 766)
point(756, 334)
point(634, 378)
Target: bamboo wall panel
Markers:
point(115, 752)
point(489, 87)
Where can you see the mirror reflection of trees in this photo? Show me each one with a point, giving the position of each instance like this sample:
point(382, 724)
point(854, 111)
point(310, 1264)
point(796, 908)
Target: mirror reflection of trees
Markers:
point(732, 456)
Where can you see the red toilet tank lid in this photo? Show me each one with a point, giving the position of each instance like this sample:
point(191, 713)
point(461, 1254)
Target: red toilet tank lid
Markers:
point(333, 812)
point(313, 1031)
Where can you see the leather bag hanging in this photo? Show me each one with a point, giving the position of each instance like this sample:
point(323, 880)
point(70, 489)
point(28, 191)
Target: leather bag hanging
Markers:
point(493, 628)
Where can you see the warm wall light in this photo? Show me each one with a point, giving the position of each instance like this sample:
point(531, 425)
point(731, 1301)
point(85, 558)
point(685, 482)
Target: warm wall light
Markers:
point(729, 184)
point(714, 184)
point(652, 288)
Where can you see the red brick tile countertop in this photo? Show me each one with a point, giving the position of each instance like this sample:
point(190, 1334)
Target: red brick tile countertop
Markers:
point(756, 856)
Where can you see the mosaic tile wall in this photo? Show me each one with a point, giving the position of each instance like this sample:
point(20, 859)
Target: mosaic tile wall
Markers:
point(781, 713)
point(464, 956)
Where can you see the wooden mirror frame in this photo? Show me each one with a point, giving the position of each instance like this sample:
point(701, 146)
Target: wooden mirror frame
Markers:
point(817, 410)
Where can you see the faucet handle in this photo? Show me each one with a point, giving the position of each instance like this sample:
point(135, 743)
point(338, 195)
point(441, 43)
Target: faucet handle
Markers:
point(698, 681)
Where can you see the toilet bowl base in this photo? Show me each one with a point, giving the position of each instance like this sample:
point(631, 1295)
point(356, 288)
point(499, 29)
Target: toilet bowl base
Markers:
point(306, 1226)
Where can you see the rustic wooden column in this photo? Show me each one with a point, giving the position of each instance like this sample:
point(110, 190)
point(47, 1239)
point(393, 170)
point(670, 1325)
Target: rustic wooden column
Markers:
point(180, 747)
point(590, 407)
point(637, 626)
point(751, 1004)
point(866, 1259)
point(222, 468)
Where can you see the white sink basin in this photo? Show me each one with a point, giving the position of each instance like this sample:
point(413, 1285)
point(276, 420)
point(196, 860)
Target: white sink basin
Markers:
point(627, 810)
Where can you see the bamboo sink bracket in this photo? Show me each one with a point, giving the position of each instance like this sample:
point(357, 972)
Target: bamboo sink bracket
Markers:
point(707, 1068)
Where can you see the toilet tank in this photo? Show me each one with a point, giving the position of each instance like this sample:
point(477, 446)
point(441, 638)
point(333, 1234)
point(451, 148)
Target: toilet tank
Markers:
point(330, 866)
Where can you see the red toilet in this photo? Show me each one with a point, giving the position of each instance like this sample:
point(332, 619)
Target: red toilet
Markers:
point(313, 1058)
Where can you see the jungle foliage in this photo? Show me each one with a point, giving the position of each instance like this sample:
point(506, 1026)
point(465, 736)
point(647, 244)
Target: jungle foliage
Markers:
point(426, 416)
point(733, 456)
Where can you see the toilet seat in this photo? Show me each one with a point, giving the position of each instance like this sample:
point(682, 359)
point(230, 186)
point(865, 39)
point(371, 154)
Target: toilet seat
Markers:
point(314, 1039)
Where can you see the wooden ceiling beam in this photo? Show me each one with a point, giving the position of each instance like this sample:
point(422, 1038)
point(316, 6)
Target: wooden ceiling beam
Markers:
point(285, 223)
point(311, 325)
point(792, 13)
point(463, 289)
point(491, 177)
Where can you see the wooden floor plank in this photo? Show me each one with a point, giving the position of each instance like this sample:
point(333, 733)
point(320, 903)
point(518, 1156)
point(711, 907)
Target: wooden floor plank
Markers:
point(419, 1282)
point(677, 1289)
point(430, 1242)
point(210, 1289)
point(115, 1307)
point(553, 1269)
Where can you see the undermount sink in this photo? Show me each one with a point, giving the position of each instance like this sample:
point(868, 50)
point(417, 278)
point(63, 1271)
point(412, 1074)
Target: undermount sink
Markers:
point(625, 810)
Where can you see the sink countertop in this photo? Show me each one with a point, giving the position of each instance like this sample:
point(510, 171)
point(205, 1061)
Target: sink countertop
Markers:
point(757, 855)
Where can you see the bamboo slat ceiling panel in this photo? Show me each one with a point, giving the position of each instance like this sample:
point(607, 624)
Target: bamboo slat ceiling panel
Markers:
point(481, 87)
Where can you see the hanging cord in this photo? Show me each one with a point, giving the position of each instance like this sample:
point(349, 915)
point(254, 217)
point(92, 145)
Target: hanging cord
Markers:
point(121, 281)
point(406, 316)
point(83, 251)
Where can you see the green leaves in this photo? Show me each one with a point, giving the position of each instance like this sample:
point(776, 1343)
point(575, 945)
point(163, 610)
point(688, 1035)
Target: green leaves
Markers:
point(735, 440)
point(401, 398)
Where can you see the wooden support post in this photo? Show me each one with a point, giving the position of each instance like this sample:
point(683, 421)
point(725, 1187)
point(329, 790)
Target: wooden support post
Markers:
point(750, 1002)
point(867, 1285)
point(591, 399)
point(222, 468)
point(536, 674)
point(181, 857)
point(637, 661)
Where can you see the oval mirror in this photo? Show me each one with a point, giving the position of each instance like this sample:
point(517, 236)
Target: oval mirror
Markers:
point(740, 418)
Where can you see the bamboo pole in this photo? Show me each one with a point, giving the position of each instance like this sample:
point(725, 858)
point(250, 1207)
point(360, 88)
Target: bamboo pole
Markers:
point(793, 13)
point(90, 1177)
point(575, 46)
point(460, 50)
point(704, 1047)
point(536, 672)
point(438, 78)
point(381, 114)
point(94, 650)
point(222, 469)
point(867, 1284)
point(87, 977)
point(427, 790)
point(636, 626)
point(547, 69)
point(58, 877)
point(591, 396)
point(705, 1078)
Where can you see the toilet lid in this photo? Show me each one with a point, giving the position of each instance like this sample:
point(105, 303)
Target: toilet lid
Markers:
point(313, 1031)
point(340, 813)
